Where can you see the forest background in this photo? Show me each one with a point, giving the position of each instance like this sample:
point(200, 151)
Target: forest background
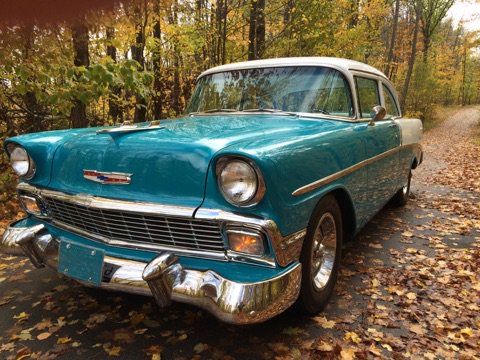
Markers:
point(138, 59)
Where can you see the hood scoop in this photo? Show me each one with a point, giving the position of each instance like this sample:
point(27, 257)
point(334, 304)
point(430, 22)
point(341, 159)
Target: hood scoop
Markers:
point(127, 127)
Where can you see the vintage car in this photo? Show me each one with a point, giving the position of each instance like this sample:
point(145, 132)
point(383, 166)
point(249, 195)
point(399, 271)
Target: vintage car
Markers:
point(240, 207)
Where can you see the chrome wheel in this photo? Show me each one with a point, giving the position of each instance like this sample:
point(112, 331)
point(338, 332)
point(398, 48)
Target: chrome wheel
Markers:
point(321, 254)
point(324, 251)
point(401, 196)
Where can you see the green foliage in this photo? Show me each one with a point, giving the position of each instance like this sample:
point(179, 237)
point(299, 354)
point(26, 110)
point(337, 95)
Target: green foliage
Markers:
point(8, 182)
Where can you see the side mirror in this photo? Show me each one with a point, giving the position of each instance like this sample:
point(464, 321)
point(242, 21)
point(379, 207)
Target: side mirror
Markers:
point(378, 113)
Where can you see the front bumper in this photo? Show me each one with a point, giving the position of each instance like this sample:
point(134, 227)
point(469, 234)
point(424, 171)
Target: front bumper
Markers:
point(166, 279)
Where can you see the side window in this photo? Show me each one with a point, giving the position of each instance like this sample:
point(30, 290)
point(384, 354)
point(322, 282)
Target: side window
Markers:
point(368, 95)
point(390, 105)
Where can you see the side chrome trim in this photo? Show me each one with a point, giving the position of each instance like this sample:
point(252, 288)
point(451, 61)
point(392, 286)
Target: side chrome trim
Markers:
point(330, 178)
point(112, 204)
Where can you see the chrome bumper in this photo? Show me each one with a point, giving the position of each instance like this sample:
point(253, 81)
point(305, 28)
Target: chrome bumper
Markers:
point(166, 279)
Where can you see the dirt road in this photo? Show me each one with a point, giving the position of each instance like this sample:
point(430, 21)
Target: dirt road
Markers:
point(409, 288)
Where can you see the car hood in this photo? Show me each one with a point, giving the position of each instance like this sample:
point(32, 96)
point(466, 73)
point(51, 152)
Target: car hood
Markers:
point(168, 164)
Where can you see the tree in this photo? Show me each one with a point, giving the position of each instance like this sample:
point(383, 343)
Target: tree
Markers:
point(433, 12)
point(411, 62)
point(256, 35)
point(391, 46)
point(137, 49)
point(157, 64)
point(80, 39)
point(114, 110)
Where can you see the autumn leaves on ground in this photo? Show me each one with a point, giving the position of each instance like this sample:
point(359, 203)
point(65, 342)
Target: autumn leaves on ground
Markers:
point(409, 288)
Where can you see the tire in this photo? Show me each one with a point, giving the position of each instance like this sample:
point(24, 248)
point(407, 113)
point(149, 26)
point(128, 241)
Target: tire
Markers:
point(402, 195)
point(320, 268)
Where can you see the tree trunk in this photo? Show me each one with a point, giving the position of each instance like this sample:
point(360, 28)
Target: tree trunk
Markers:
point(354, 18)
point(113, 109)
point(411, 61)
point(252, 30)
point(78, 114)
point(426, 47)
point(260, 31)
point(392, 39)
point(464, 73)
point(137, 55)
point(157, 66)
point(224, 31)
point(176, 91)
point(256, 34)
point(32, 115)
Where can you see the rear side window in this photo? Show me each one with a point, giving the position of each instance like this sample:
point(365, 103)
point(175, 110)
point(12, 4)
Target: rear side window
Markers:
point(390, 105)
point(368, 95)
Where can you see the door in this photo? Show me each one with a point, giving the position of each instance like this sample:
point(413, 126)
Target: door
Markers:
point(381, 144)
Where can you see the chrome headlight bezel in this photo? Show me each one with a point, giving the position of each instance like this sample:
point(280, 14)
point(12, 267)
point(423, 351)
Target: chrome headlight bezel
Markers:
point(251, 170)
point(17, 155)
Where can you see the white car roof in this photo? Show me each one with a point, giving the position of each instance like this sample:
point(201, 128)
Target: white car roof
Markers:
point(343, 64)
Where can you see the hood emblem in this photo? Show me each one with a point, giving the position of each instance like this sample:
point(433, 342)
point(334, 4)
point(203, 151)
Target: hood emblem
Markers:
point(107, 177)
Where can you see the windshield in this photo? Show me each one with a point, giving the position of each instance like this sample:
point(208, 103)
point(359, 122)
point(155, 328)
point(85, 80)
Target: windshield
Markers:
point(304, 89)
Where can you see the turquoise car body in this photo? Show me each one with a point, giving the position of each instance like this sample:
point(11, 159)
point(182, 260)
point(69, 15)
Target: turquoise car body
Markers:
point(302, 158)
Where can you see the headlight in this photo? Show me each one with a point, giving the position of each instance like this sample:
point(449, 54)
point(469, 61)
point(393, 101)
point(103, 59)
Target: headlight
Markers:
point(240, 181)
point(21, 162)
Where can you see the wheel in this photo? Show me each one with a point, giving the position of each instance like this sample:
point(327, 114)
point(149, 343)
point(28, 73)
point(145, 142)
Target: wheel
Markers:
point(401, 196)
point(320, 256)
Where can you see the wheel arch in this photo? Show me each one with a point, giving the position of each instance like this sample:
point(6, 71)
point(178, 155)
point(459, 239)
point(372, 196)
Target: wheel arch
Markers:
point(344, 200)
point(414, 163)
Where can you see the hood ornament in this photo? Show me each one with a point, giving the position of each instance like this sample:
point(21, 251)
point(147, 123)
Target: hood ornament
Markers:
point(113, 178)
point(128, 127)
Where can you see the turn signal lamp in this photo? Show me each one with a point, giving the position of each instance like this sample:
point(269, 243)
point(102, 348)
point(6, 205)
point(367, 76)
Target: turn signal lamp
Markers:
point(246, 241)
point(30, 204)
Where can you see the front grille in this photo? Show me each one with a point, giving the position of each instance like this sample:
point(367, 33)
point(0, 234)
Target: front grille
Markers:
point(136, 228)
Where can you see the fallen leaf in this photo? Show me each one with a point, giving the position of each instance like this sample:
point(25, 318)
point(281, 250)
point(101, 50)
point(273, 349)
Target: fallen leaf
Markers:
point(324, 323)
point(114, 351)
point(417, 329)
point(347, 354)
point(64, 340)
point(353, 336)
point(22, 316)
point(200, 347)
point(43, 336)
point(323, 346)
point(411, 296)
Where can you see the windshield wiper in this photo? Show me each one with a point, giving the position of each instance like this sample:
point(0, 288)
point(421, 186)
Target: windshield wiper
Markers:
point(272, 111)
point(213, 111)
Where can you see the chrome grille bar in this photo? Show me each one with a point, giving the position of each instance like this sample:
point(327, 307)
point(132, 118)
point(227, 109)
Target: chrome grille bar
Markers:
point(122, 226)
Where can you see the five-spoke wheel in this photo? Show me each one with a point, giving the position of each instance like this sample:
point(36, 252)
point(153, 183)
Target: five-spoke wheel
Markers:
point(320, 255)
